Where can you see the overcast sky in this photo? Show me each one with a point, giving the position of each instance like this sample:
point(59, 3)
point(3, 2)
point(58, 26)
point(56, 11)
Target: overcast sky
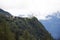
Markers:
point(39, 8)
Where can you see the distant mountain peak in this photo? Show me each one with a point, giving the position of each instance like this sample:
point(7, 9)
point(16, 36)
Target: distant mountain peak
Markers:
point(53, 24)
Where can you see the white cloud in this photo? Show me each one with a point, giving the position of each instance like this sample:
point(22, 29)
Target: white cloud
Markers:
point(40, 8)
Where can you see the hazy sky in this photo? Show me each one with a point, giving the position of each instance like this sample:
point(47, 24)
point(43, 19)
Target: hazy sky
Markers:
point(39, 8)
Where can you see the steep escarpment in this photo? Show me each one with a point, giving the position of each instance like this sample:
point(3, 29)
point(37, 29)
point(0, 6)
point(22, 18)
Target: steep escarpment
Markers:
point(18, 28)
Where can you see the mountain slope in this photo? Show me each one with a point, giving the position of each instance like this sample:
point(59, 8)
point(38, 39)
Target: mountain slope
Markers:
point(53, 25)
point(4, 12)
point(18, 28)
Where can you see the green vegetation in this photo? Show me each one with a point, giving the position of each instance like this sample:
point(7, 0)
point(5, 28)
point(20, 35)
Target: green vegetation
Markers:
point(17, 28)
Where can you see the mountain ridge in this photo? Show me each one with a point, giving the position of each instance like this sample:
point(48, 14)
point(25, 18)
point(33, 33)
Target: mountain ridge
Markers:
point(17, 28)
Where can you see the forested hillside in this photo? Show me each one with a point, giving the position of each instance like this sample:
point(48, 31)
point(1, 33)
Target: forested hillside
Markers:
point(18, 28)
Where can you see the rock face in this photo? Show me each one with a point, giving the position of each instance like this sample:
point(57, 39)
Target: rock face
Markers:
point(18, 28)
